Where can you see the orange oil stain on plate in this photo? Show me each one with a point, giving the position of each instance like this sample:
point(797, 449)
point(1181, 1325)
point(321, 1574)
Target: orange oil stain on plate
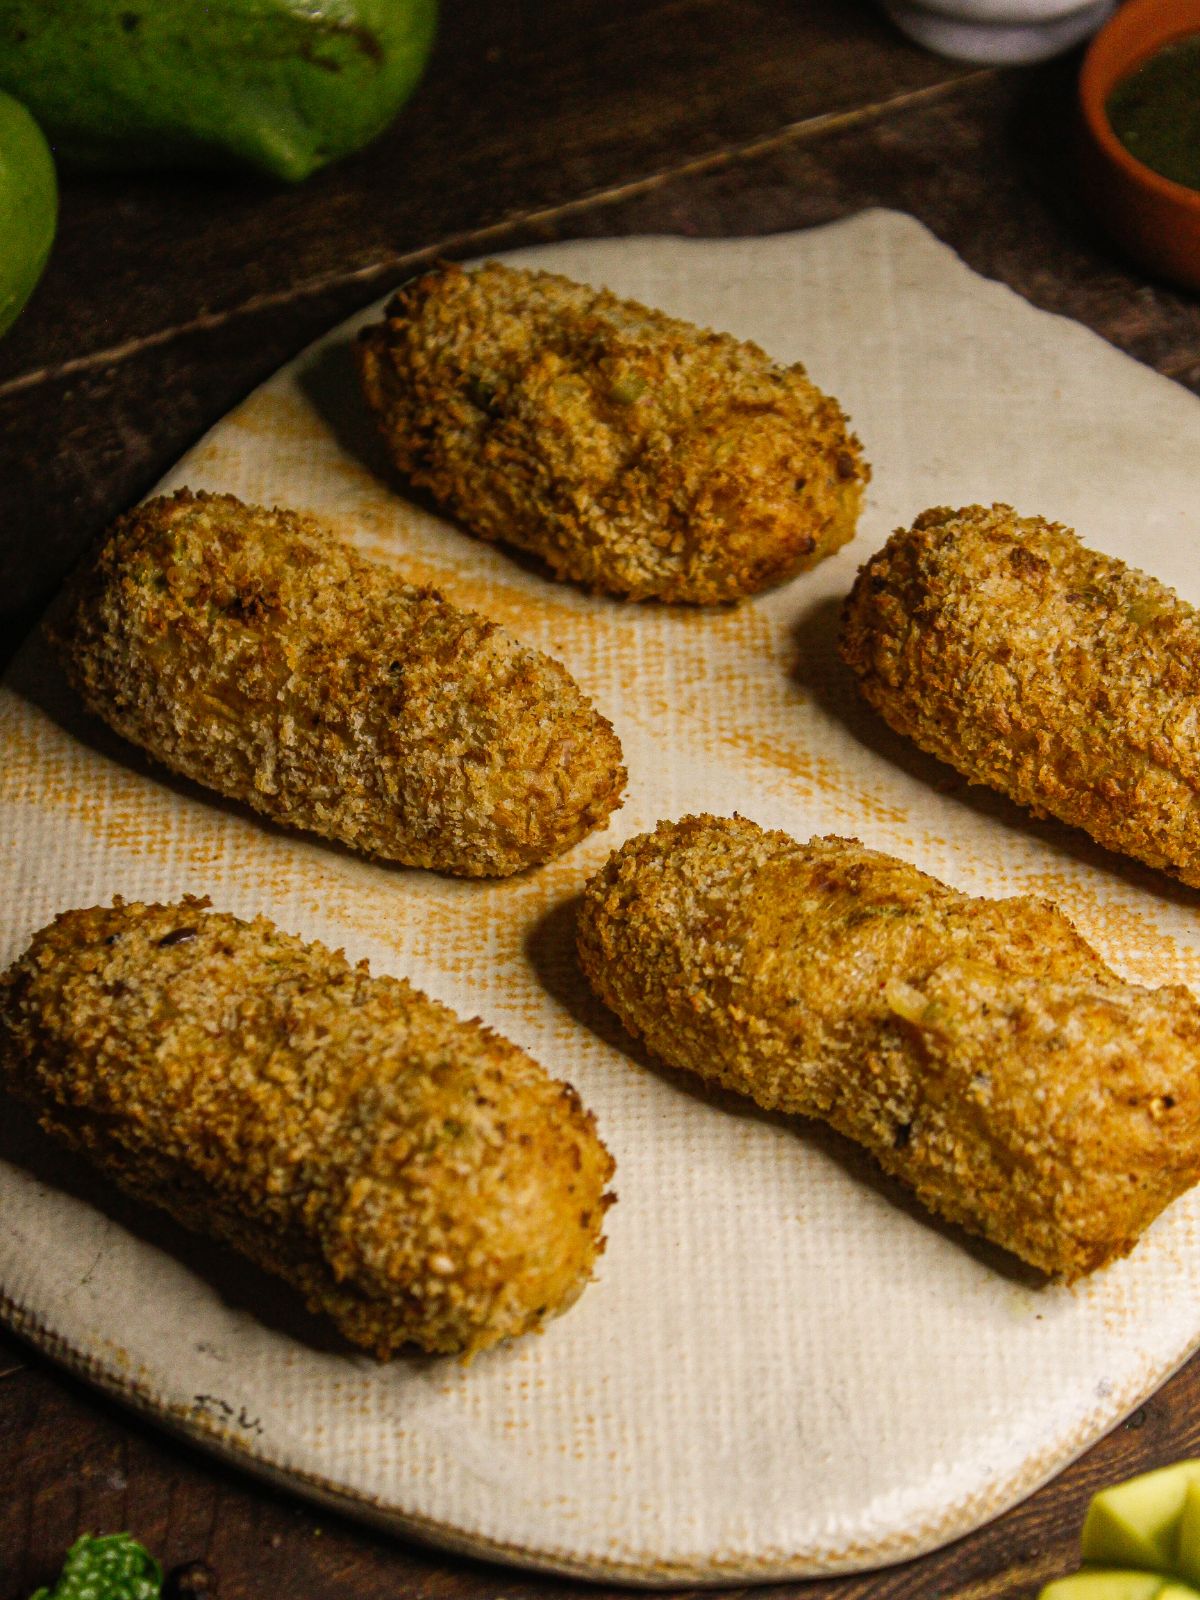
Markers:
point(742, 699)
point(468, 922)
point(274, 414)
point(213, 457)
point(126, 811)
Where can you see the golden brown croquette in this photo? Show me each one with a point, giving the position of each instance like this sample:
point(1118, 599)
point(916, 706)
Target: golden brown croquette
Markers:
point(254, 652)
point(632, 452)
point(979, 1049)
point(416, 1177)
point(1041, 668)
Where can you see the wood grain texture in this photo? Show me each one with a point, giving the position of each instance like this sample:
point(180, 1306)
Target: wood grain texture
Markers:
point(524, 107)
point(169, 298)
point(78, 1463)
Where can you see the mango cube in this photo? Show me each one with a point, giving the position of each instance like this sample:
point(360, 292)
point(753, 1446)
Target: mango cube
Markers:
point(1136, 1524)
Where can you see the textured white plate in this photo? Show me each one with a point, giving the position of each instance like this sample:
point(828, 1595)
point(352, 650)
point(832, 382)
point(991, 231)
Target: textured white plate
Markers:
point(783, 1368)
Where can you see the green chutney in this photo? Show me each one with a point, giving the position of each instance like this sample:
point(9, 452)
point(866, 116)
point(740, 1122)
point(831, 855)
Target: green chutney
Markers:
point(1155, 111)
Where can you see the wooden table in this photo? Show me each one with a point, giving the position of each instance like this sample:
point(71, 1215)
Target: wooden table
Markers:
point(169, 297)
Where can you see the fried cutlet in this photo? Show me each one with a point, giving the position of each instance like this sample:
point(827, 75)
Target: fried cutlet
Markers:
point(979, 1049)
point(416, 1177)
point(252, 651)
point(634, 453)
point(1058, 675)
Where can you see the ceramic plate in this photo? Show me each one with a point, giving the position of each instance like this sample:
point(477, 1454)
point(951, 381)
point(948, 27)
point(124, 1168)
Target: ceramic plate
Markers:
point(783, 1368)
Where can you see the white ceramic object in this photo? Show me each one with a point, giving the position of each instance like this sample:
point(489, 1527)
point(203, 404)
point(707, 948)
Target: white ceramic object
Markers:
point(784, 1367)
point(999, 32)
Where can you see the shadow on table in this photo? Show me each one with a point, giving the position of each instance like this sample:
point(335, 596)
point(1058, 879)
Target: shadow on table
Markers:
point(551, 950)
point(1045, 136)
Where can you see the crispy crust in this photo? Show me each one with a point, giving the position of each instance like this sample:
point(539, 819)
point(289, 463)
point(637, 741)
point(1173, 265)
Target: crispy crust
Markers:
point(632, 452)
point(979, 1049)
point(417, 1177)
point(1057, 675)
point(254, 652)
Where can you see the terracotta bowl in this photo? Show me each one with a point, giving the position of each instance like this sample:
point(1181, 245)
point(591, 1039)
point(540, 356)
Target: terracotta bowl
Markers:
point(1157, 220)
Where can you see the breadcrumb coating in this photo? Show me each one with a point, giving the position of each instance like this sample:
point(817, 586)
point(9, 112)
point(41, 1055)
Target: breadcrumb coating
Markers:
point(1059, 676)
point(252, 651)
point(979, 1049)
point(634, 453)
point(416, 1177)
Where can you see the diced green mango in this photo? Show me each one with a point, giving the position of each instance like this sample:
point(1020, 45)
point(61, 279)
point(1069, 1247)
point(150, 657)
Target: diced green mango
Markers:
point(1136, 1524)
point(1106, 1585)
point(1187, 1558)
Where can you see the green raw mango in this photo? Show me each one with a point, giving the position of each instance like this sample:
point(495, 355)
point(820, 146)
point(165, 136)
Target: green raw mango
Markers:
point(28, 207)
point(283, 86)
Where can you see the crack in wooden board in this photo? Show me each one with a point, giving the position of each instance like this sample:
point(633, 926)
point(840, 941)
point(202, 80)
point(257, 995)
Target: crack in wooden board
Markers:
point(494, 235)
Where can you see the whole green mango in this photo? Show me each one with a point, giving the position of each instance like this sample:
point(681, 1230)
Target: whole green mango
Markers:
point(28, 207)
point(283, 86)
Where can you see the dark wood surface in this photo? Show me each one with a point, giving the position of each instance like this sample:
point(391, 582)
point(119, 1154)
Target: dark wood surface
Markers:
point(168, 298)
